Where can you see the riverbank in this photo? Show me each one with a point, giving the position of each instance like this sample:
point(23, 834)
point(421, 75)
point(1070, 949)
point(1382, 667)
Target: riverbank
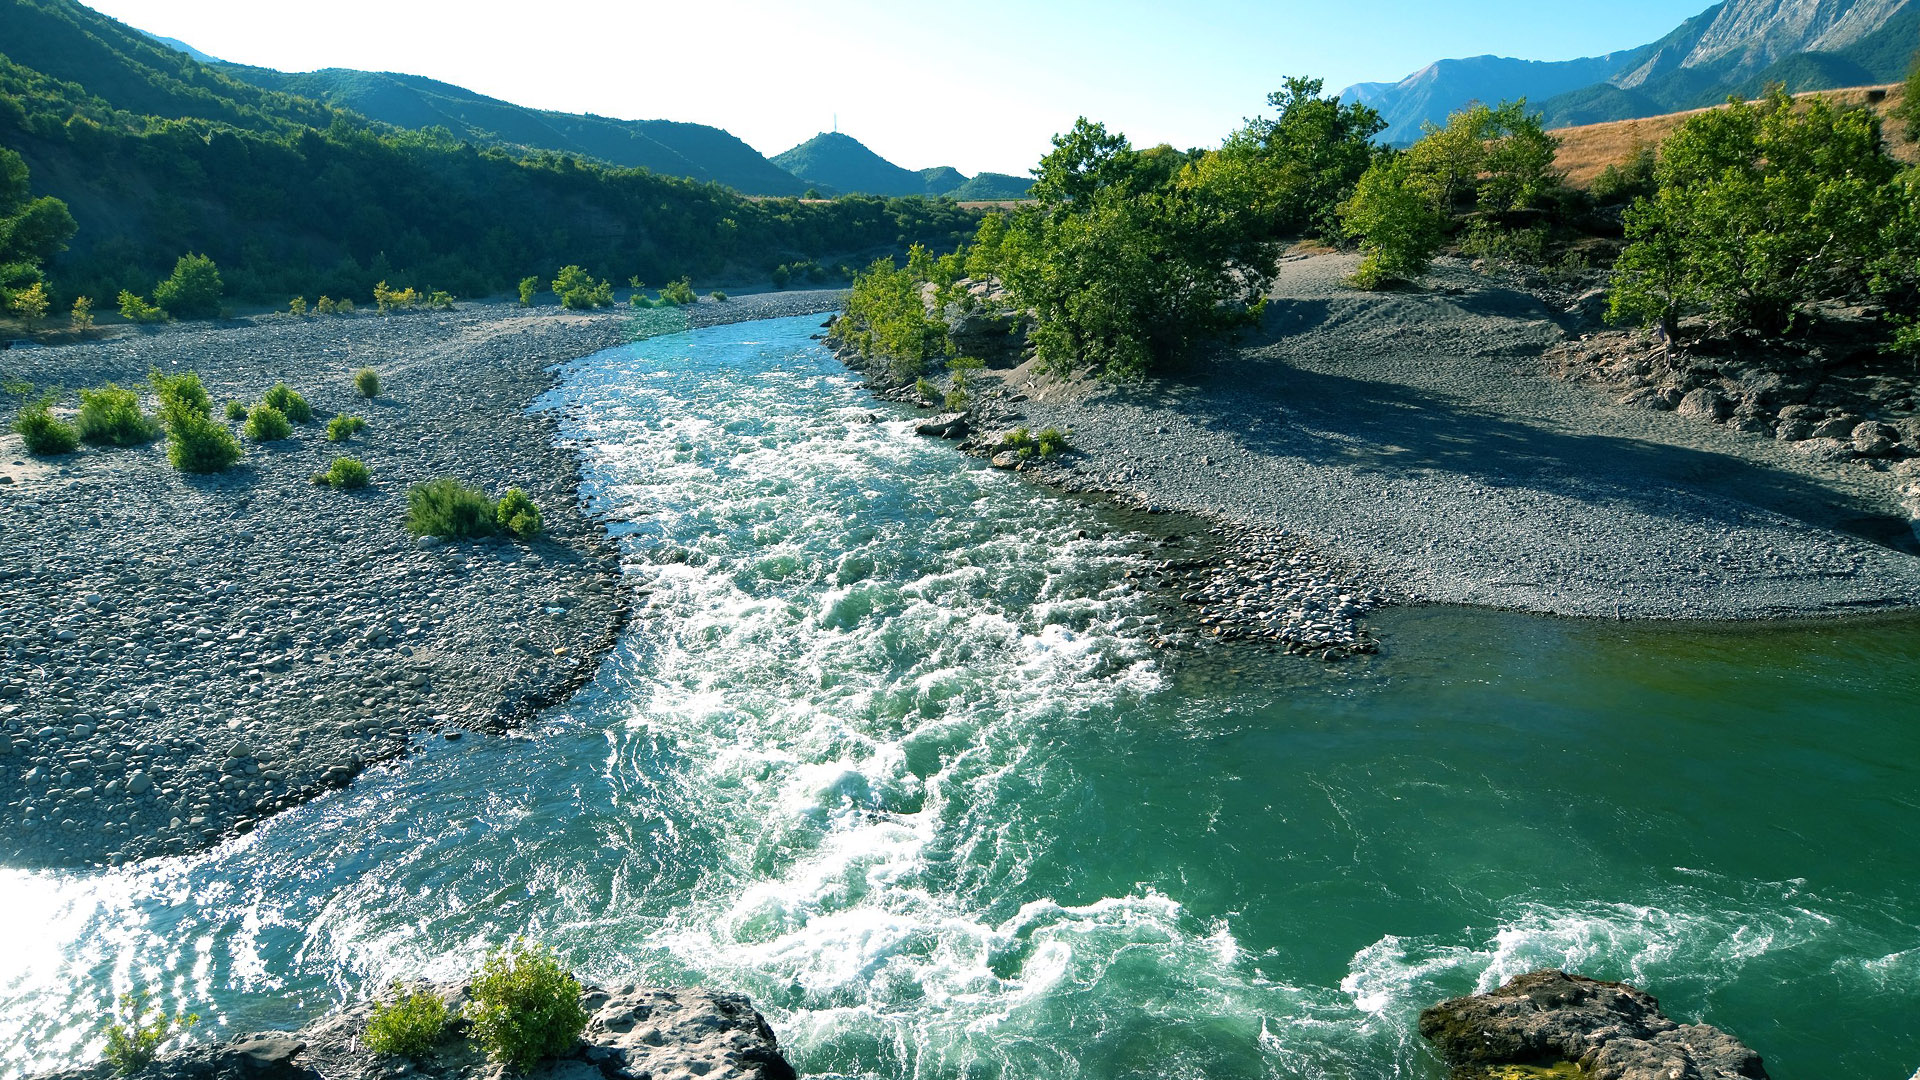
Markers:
point(1418, 439)
point(189, 654)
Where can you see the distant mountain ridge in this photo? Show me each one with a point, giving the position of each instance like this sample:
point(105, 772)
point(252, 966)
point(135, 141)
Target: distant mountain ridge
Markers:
point(1734, 47)
point(836, 162)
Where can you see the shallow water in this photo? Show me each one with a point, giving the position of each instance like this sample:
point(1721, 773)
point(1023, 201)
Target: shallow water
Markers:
point(892, 752)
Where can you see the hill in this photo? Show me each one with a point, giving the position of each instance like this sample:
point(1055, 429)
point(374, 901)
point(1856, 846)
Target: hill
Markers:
point(1588, 149)
point(1736, 47)
point(158, 154)
point(416, 103)
point(837, 162)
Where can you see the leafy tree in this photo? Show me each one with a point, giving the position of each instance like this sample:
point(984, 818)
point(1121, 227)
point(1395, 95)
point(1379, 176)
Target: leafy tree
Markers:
point(578, 291)
point(31, 230)
point(1908, 111)
point(30, 304)
point(1760, 208)
point(1622, 183)
point(1396, 220)
point(135, 308)
point(529, 288)
point(192, 291)
point(82, 316)
point(1296, 168)
point(1503, 157)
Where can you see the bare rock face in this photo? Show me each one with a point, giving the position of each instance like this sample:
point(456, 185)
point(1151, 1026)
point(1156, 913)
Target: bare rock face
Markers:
point(1611, 1030)
point(633, 1033)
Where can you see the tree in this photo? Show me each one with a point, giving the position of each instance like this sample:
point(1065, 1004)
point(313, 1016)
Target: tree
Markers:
point(1396, 220)
point(1296, 168)
point(30, 304)
point(1503, 157)
point(31, 230)
point(192, 291)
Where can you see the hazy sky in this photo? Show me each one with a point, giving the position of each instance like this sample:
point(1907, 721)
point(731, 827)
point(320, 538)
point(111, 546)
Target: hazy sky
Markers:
point(978, 85)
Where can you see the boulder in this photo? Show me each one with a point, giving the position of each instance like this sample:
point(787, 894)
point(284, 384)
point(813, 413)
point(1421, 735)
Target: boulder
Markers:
point(1839, 427)
point(1610, 1030)
point(1705, 403)
point(944, 426)
point(1872, 439)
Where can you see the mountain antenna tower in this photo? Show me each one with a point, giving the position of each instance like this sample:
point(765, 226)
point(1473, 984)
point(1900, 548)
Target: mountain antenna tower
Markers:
point(836, 123)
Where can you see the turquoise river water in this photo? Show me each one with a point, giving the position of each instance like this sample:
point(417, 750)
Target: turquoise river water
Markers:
point(894, 754)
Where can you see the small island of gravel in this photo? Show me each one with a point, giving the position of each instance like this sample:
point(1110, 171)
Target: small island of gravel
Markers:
point(187, 654)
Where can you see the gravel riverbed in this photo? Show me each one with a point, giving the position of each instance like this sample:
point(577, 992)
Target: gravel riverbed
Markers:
point(1416, 442)
point(185, 654)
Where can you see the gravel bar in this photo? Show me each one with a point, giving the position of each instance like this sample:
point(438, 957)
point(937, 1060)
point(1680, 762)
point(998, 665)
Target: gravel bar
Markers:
point(185, 655)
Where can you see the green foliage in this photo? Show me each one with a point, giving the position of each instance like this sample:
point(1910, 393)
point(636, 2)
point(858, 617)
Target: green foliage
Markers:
point(366, 383)
point(179, 394)
point(288, 401)
point(781, 276)
point(44, 433)
point(135, 308)
point(135, 1036)
point(1760, 208)
point(387, 300)
point(679, 292)
point(1396, 221)
point(578, 291)
point(1618, 185)
point(236, 412)
point(329, 306)
point(1908, 111)
point(717, 296)
point(408, 1026)
point(112, 415)
point(886, 317)
point(1050, 442)
point(192, 291)
point(450, 510)
point(31, 230)
point(439, 300)
point(1485, 239)
point(297, 307)
point(517, 516)
point(524, 1006)
point(529, 288)
point(82, 316)
point(345, 474)
point(197, 444)
point(1503, 157)
point(343, 427)
point(1294, 170)
point(267, 424)
point(30, 303)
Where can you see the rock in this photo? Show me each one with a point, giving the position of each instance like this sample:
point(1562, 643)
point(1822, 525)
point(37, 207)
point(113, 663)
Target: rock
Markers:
point(1873, 440)
point(1006, 459)
point(1611, 1030)
point(139, 784)
point(1705, 403)
point(1840, 427)
point(944, 426)
point(1792, 430)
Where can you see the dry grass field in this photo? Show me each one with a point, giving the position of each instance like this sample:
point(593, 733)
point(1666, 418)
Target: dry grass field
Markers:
point(1586, 150)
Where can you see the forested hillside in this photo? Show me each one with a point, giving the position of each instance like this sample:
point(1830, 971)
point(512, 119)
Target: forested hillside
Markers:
point(157, 154)
point(833, 161)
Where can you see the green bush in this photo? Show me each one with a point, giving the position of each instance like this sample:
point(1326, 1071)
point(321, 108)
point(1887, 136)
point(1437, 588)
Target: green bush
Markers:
point(134, 1038)
point(192, 291)
point(179, 394)
point(267, 424)
point(529, 288)
point(525, 1007)
point(517, 516)
point(450, 510)
point(366, 383)
point(196, 444)
point(717, 296)
point(679, 292)
point(236, 412)
point(780, 276)
point(44, 433)
point(1050, 441)
point(288, 401)
point(578, 291)
point(1399, 228)
point(407, 1027)
point(345, 474)
point(439, 300)
point(112, 415)
point(134, 308)
point(343, 427)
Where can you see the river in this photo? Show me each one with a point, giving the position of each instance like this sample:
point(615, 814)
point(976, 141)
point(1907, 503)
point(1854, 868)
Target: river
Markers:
point(890, 747)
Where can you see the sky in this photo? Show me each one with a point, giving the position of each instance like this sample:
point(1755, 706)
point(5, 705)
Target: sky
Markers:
point(980, 86)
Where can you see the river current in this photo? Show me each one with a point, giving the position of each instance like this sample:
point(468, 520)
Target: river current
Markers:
point(890, 747)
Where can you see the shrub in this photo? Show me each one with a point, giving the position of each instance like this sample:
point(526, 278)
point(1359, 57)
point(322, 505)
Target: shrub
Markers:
point(524, 1006)
point(578, 291)
point(134, 1039)
point(192, 291)
point(780, 276)
point(450, 510)
point(679, 292)
point(529, 288)
point(267, 424)
point(440, 300)
point(325, 306)
point(236, 412)
point(1398, 226)
point(1050, 441)
point(343, 427)
point(717, 296)
point(196, 444)
point(517, 516)
point(44, 433)
point(31, 303)
point(134, 308)
point(112, 415)
point(288, 401)
point(387, 300)
point(925, 389)
point(345, 474)
point(179, 394)
point(407, 1027)
point(366, 383)
point(82, 318)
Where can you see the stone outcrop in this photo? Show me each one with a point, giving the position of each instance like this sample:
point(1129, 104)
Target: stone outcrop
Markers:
point(1610, 1030)
point(634, 1033)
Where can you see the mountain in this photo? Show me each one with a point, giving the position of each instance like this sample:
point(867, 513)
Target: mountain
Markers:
point(180, 46)
point(1734, 47)
point(416, 103)
point(842, 163)
point(1429, 94)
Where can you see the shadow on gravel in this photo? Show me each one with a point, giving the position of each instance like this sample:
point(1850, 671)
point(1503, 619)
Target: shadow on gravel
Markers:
point(1393, 429)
